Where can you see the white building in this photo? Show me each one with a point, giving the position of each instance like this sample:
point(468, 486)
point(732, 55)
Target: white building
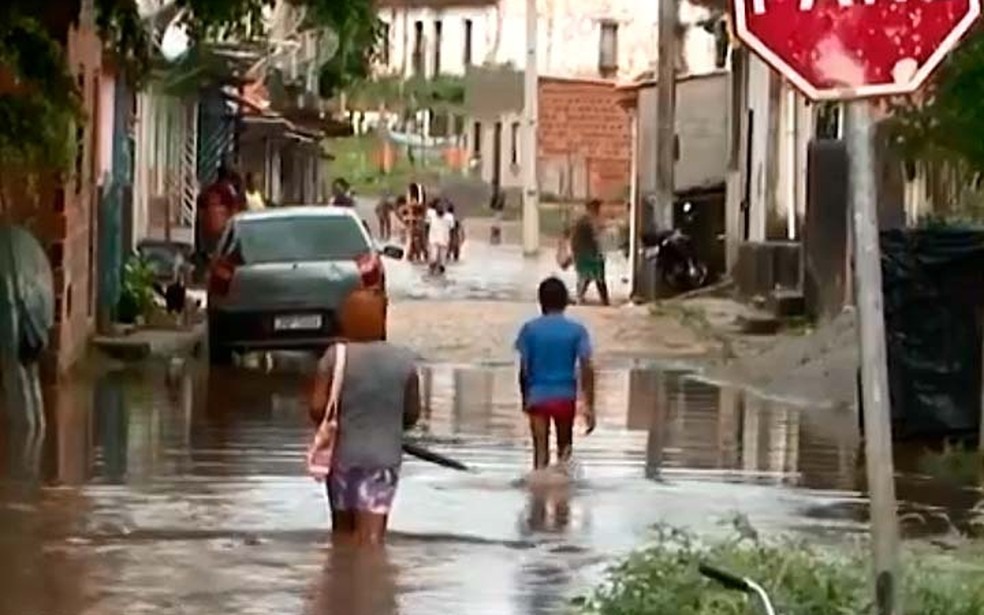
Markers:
point(611, 39)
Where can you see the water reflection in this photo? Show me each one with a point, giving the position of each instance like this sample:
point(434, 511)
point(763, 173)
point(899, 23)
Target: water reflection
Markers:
point(177, 487)
point(670, 422)
point(356, 582)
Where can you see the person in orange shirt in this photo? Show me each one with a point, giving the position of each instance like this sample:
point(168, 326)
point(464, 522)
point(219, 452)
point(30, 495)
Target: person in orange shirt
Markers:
point(217, 203)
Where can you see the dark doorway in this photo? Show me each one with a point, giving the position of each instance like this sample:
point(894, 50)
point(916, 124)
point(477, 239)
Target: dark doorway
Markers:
point(700, 214)
point(497, 155)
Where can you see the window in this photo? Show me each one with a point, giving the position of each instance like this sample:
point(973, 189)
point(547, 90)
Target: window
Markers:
point(477, 139)
point(438, 30)
point(298, 239)
point(418, 48)
point(384, 51)
point(468, 42)
point(608, 49)
point(514, 154)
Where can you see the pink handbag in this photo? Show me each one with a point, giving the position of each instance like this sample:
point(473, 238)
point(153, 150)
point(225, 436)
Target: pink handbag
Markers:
point(322, 449)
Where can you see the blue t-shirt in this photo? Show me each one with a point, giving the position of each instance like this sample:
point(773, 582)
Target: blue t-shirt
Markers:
point(550, 347)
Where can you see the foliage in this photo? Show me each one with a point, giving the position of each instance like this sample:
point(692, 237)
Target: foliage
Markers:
point(356, 160)
point(946, 121)
point(137, 296)
point(445, 92)
point(39, 101)
point(802, 578)
point(956, 463)
point(359, 34)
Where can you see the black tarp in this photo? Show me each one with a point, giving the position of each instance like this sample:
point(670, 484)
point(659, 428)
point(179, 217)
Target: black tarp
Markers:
point(933, 281)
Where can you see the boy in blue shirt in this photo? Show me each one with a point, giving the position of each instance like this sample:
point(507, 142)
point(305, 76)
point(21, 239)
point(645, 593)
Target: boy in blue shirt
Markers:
point(554, 350)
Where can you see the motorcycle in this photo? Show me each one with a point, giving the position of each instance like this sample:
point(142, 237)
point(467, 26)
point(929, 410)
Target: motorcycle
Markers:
point(673, 254)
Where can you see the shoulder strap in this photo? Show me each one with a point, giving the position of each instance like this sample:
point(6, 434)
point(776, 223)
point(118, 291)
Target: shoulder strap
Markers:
point(337, 378)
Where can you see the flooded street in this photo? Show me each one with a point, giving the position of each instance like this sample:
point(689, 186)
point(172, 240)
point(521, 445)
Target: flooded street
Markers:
point(182, 491)
point(179, 489)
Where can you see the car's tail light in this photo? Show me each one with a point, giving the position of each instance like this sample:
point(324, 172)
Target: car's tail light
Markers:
point(371, 270)
point(221, 274)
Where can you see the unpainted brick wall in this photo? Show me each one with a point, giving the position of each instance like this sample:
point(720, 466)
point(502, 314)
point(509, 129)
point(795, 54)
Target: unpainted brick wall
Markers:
point(582, 123)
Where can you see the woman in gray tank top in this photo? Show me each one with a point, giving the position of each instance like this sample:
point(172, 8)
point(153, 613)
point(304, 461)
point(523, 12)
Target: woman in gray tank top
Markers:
point(380, 398)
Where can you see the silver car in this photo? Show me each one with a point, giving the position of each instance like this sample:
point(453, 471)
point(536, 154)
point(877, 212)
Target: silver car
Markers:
point(281, 278)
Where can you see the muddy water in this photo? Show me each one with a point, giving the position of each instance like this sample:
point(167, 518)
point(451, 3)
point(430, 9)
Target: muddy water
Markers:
point(181, 491)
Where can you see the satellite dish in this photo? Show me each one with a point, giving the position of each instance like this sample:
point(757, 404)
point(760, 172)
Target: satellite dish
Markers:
point(175, 42)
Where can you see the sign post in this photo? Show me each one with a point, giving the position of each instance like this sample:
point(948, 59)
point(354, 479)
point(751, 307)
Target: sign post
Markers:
point(849, 50)
point(874, 361)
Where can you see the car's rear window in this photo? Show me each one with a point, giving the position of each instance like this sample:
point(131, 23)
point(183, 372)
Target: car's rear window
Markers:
point(299, 238)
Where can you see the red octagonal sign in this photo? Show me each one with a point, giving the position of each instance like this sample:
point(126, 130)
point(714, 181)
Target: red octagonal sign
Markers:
point(841, 49)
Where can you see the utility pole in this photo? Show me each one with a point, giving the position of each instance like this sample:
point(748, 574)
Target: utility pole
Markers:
point(874, 364)
point(531, 205)
point(669, 11)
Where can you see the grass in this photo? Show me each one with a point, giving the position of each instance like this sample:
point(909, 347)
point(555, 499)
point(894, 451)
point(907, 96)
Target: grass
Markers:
point(802, 578)
point(355, 159)
point(957, 464)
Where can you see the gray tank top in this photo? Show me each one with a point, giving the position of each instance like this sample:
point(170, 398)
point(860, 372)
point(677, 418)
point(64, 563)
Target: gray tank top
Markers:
point(370, 416)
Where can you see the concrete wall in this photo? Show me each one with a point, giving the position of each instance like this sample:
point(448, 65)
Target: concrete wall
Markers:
point(702, 131)
point(106, 124)
point(569, 35)
point(770, 127)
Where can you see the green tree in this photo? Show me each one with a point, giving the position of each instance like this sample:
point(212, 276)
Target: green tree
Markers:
point(39, 101)
point(946, 122)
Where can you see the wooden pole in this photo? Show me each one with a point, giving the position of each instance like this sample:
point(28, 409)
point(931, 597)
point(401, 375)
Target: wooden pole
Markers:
point(666, 113)
point(531, 197)
point(874, 365)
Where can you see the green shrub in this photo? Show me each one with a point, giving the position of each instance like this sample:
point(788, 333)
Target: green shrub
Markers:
point(802, 578)
point(137, 296)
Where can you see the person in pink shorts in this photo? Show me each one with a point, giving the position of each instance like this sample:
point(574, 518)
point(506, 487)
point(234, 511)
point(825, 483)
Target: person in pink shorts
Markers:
point(380, 398)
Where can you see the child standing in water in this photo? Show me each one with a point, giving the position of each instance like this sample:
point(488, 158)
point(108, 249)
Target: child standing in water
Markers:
point(555, 353)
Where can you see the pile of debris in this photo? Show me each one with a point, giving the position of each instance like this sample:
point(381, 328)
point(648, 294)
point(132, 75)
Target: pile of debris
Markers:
point(817, 369)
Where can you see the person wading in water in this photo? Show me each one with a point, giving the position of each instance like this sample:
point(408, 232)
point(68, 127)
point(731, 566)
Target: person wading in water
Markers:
point(588, 258)
point(379, 399)
point(384, 217)
point(217, 203)
point(554, 354)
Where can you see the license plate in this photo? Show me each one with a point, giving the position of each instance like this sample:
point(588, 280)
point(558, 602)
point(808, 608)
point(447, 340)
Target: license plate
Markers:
point(305, 322)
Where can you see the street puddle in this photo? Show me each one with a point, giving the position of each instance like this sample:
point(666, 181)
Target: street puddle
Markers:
point(170, 490)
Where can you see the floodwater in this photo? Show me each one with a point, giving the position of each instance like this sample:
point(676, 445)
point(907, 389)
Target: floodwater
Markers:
point(177, 490)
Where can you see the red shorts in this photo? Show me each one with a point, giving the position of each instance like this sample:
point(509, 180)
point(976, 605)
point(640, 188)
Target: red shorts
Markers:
point(556, 409)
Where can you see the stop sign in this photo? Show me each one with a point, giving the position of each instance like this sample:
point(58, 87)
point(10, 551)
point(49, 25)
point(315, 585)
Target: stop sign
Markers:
point(841, 49)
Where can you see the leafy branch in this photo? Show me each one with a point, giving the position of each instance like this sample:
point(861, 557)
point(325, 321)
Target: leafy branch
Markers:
point(39, 98)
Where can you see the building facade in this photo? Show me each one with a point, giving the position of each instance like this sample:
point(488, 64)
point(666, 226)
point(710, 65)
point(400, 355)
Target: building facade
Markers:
point(584, 48)
point(576, 39)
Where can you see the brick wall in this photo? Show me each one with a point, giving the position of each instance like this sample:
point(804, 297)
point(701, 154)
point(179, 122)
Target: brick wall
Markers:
point(584, 140)
point(73, 244)
point(58, 209)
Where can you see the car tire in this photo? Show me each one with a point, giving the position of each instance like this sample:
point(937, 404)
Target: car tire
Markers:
point(218, 353)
